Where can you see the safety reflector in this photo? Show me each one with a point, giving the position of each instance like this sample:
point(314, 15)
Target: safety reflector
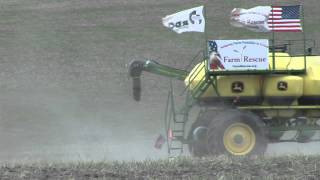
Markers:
point(159, 142)
point(170, 134)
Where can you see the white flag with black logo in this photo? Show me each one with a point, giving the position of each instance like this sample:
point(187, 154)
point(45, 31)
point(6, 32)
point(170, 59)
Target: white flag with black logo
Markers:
point(190, 20)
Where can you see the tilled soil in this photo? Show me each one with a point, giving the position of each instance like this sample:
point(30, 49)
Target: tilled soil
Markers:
point(222, 167)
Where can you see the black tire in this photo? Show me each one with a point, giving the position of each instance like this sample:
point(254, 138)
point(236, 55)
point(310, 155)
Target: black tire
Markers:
point(198, 146)
point(225, 128)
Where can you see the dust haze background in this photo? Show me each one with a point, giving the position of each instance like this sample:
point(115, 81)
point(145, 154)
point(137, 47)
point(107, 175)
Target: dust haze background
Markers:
point(64, 90)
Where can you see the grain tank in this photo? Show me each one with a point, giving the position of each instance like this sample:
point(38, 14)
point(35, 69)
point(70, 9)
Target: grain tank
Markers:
point(264, 89)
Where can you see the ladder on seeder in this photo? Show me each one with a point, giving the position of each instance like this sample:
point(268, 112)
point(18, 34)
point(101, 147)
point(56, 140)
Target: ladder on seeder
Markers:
point(174, 126)
point(175, 120)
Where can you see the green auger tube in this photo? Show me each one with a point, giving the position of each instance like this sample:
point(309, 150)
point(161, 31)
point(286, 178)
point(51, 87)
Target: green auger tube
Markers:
point(136, 68)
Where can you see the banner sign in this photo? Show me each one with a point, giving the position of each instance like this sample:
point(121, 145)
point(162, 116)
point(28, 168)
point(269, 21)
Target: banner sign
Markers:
point(249, 54)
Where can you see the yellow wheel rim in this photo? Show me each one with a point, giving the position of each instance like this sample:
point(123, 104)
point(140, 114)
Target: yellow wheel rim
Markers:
point(239, 139)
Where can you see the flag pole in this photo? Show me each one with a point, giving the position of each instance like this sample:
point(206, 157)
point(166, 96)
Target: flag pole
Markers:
point(205, 55)
point(273, 42)
point(304, 37)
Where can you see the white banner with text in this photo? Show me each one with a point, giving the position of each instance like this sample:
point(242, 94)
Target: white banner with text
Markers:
point(249, 54)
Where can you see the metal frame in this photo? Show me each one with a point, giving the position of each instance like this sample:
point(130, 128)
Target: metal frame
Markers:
point(294, 107)
point(175, 122)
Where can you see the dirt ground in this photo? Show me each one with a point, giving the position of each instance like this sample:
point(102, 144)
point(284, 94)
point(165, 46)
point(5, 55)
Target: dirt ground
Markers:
point(65, 94)
point(222, 168)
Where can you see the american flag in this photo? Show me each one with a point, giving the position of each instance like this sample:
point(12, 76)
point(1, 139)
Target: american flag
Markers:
point(212, 47)
point(285, 19)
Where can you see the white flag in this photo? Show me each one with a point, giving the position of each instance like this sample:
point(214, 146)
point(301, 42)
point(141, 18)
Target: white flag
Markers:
point(190, 20)
point(255, 19)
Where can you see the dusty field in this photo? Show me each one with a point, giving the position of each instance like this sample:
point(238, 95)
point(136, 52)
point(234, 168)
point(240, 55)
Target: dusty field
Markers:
point(222, 168)
point(64, 90)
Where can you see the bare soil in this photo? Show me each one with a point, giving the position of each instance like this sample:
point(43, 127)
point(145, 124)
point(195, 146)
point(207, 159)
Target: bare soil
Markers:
point(222, 168)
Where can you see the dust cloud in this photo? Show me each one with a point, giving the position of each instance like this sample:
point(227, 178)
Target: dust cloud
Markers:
point(59, 126)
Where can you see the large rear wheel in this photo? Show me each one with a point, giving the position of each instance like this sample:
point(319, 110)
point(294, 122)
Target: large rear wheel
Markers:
point(198, 138)
point(236, 133)
point(198, 134)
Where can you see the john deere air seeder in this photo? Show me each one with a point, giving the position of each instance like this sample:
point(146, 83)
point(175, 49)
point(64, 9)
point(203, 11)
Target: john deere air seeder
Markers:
point(249, 93)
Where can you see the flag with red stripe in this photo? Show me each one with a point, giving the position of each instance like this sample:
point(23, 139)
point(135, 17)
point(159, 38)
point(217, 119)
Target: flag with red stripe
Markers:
point(285, 19)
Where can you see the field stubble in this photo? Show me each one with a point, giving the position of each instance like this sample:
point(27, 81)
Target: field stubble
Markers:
point(221, 167)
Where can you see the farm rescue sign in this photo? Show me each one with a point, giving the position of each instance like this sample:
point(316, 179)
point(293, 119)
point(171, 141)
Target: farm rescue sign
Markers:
point(251, 54)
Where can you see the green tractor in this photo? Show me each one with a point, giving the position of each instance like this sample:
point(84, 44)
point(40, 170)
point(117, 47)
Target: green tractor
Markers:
point(241, 111)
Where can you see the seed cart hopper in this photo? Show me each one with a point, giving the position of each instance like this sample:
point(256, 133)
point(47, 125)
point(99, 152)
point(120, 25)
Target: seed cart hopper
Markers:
point(242, 111)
